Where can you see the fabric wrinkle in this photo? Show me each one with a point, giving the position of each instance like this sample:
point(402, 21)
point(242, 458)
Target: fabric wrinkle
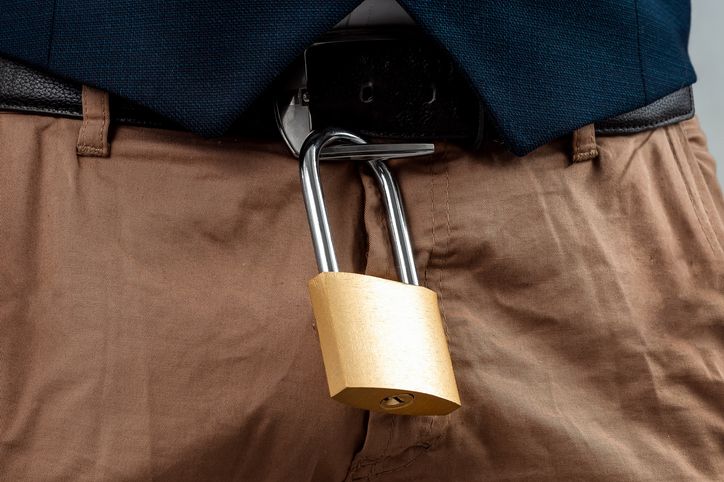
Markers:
point(583, 318)
point(155, 315)
point(691, 195)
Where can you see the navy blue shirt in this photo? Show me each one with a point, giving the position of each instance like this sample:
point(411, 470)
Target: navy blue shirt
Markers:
point(542, 67)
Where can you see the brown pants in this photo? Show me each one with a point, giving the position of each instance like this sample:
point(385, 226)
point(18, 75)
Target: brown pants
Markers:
point(155, 322)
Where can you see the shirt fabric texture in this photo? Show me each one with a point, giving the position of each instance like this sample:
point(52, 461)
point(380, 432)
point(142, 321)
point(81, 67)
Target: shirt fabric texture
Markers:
point(543, 68)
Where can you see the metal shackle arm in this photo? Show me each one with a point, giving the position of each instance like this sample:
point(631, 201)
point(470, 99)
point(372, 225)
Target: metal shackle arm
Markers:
point(314, 195)
point(399, 235)
point(317, 210)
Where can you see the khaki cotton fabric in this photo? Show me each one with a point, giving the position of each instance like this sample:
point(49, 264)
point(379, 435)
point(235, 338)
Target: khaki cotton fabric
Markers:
point(155, 323)
point(93, 135)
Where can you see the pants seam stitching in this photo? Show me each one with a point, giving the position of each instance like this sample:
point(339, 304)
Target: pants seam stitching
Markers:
point(688, 190)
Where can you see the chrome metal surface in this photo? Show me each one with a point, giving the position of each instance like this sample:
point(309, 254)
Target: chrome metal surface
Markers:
point(317, 210)
point(371, 152)
point(293, 119)
point(314, 194)
point(399, 235)
point(291, 109)
point(295, 124)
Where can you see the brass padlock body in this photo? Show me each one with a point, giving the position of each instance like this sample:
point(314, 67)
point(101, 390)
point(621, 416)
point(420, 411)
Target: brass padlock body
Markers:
point(383, 345)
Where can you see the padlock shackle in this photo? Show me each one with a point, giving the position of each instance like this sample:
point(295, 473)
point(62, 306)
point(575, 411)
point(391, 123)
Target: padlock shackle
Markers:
point(399, 234)
point(317, 209)
point(314, 194)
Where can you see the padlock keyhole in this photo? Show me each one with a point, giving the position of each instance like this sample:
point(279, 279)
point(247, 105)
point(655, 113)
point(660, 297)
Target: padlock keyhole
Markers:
point(397, 401)
point(366, 93)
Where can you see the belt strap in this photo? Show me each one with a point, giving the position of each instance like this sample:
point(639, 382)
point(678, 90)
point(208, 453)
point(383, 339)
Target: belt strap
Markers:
point(25, 89)
point(28, 90)
point(675, 107)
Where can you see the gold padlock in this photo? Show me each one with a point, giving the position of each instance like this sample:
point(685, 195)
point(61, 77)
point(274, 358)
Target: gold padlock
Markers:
point(383, 343)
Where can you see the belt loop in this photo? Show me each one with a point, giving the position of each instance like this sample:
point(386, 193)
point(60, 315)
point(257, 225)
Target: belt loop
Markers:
point(93, 136)
point(584, 144)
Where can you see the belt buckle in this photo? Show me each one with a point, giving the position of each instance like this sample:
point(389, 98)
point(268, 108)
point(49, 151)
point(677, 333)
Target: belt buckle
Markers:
point(382, 83)
point(291, 104)
point(294, 121)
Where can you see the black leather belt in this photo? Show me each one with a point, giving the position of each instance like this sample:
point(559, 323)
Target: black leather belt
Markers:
point(25, 89)
point(381, 84)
